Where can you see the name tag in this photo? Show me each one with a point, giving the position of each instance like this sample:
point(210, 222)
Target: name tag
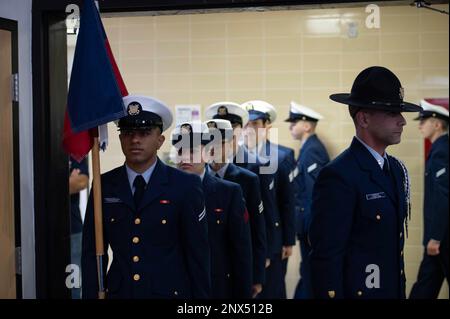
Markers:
point(440, 172)
point(112, 200)
point(375, 196)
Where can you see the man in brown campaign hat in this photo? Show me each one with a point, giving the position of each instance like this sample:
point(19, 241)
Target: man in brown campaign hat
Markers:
point(361, 198)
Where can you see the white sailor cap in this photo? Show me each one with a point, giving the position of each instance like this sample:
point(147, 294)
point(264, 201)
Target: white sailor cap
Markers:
point(224, 126)
point(432, 110)
point(258, 109)
point(300, 112)
point(145, 112)
point(227, 111)
point(193, 132)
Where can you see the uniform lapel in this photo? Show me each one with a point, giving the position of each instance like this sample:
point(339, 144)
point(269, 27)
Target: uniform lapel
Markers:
point(304, 148)
point(397, 172)
point(369, 164)
point(209, 184)
point(230, 171)
point(156, 184)
point(209, 188)
point(122, 188)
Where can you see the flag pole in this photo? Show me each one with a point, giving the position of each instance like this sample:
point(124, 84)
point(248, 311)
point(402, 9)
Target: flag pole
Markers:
point(98, 214)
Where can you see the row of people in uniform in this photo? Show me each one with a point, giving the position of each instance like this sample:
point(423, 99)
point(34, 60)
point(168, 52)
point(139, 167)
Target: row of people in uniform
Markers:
point(245, 229)
point(222, 227)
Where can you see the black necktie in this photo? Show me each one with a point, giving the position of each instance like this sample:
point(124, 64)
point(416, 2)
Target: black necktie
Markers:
point(390, 177)
point(386, 168)
point(139, 188)
point(217, 175)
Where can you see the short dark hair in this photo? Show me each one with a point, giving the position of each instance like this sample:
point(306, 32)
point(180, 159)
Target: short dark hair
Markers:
point(444, 124)
point(353, 110)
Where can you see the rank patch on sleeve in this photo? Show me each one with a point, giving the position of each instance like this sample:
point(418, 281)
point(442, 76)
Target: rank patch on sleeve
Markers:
point(202, 214)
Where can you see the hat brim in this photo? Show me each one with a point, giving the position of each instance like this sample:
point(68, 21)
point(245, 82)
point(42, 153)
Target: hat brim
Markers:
point(254, 117)
point(345, 98)
point(424, 117)
point(291, 120)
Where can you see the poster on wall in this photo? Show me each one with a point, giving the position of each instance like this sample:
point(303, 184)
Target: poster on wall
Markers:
point(186, 113)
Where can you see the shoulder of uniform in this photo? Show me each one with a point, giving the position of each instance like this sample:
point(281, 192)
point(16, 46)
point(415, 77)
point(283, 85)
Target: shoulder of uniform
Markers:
point(342, 159)
point(246, 173)
point(341, 165)
point(318, 147)
point(283, 154)
point(228, 184)
point(399, 162)
point(180, 175)
point(440, 153)
point(286, 149)
point(339, 174)
point(112, 173)
point(441, 142)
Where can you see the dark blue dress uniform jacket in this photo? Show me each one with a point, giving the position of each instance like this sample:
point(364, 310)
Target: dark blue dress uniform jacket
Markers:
point(313, 157)
point(436, 192)
point(358, 216)
point(229, 239)
point(250, 185)
point(160, 248)
point(285, 190)
point(268, 194)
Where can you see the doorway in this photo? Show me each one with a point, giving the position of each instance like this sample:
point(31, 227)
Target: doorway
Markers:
point(10, 279)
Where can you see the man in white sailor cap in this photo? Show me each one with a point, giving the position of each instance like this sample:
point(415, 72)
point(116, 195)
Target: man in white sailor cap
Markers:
point(153, 217)
point(228, 220)
point(256, 136)
point(229, 111)
point(435, 263)
point(230, 117)
point(313, 156)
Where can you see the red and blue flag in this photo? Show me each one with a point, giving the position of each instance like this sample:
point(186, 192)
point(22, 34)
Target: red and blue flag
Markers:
point(96, 87)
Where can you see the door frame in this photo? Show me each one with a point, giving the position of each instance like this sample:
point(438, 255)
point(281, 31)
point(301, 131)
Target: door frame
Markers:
point(11, 25)
point(51, 171)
